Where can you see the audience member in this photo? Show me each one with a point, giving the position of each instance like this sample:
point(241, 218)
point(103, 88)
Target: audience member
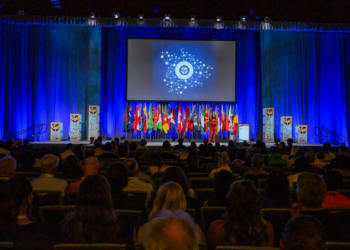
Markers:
point(130, 164)
point(237, 167)
point(180, 144)
point(126, 143)
point(329, 156)
point(241, 154)
point(68, 152)
point(116, 142)
point(301, 166)
point(192, 163)
point(245, 145)
point(275, 159)
point(122, 151)
point(244, 224)
point(7, 168)
point(166, 151)
point(16, 221)
point(223, 181)
point(90, 167)
point(133, 153)
point(10, 143)
point(342, 162)
point(143, 144)
point(223, 164)
point(89, 152)
point(311, 191)
point(98, 149)
point(71, 168)
point(194, 145)
point(231, 150)
point(277, 194)
point(169, 197)
point(289, 145)
point(313, 168)
point(135, 183)
point(171, 230)
point(257, 164)
point(114, 149)
point(334, 180)
point(79, 152)
point(3, 151)
point(208, 156)
point(93, 220)
point(47, 181)
point(303, 232)
point(155, 164)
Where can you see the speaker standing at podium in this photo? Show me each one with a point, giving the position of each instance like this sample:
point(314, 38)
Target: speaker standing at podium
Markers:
point(213, 122)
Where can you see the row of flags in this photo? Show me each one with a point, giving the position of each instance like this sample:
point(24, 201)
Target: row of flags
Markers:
point(165, 118)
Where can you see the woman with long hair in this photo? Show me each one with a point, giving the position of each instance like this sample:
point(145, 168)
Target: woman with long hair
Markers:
point(16, 220)
point(93, 219)
point(243, 224)
point(169, 197)
point(156, 164)
point(71, 168)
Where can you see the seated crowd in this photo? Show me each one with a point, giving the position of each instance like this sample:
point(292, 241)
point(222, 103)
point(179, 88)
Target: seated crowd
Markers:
point(161, 183)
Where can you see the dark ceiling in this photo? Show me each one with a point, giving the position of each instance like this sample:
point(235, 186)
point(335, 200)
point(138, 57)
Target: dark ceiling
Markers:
point(320, 11)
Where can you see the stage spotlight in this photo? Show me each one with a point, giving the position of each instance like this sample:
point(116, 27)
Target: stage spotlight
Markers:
point(116, 15)
point(267, 20)
point(92, 15)
point(243, 19)
point(141, 17)
point(193, 17)
point(167, 17)
point(218, 19)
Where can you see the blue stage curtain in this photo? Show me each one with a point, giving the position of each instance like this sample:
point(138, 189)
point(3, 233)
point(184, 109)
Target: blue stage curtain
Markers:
point(306, 75)
point(46, 73)
point(113, 77)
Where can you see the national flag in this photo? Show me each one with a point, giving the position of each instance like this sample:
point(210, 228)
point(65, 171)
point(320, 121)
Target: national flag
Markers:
point(145, 119)
point(159, 121)
point(202, 119)
point(235, 122)
point(136, 112)
point(222, 119)
point(226, 119)
point(185, 129)
point(218, 118)
point(169, 116)
point(206, 119)
point(165, 119)
point(126, 118)
point(179, 120)
point(150, 124)
point(155, 117)
point(191, 117)
point(195, 120)
point(230, 117)
point(130, 119)
point(172, 120)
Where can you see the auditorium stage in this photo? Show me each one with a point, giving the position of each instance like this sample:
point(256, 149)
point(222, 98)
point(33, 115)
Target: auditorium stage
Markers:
point(59, 147)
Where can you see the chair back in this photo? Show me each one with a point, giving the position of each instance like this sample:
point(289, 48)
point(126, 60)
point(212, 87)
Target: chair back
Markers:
point(141, 195)
point(46, 198)
point(342, 214)
point(204, 194)
point(200, 182)
point(332, 245)
point(210, 214)
point(4, 245)
point(72, 197)
point(102, 246)
point(53, 215)
point(244, 248)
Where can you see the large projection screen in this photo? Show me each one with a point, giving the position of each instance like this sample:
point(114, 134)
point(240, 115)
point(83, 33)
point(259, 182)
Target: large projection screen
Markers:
point(181, 70)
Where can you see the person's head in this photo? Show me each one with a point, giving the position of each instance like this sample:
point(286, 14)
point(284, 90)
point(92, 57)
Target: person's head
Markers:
point(78, 151)
point(283, 144)
point(49, 164)
point(166, 145)
point(91, 166)
point(237, 167)
point(26, 143)
point(223, 159)
point(277, 187)
point(9, 143)
point(223, 148)
point(326, 146)
point(132, 146)
point(310, 156)
point(190, 149)
point(213, 115)
point(98, 144)
point(2, 144)
point(71, 166)
point(171, 231)
point(18, 143)
point(70, 147)
point(8, 167)
point(217, 144)
point(333, 180)
point(257, 161)
point(122, 151)
point(126, 143)
point(89, 152)
point(143, 143)
point(303, 232)
point(243, 214)
point(175, 174)
point(241, 154)
point(274, 150)
point(15, 199)
point(343, 151)
point(223, 181)
point(311, 190)
point(208, 152)
point(205, 141)
point(117, 175)
point(193, 144)
point(169, 197)
point(290, 142)
point(107, 147)
point(294, 150)
point(133, 167)
point(301, 164)
point(321, 155)
point(192, 161)
point(116, 141)
point(155, 160)
point(180, 141)
point(230, 144)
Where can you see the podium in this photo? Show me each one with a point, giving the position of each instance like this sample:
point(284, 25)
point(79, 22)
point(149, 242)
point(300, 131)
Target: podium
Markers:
point(94, 121)
point(76, 127)
point(268, 125)
point(286, 128)
point(301, 134)
point(56, 131)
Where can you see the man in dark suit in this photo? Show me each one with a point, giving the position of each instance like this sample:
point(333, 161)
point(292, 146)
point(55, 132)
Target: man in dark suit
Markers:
point(180, 145)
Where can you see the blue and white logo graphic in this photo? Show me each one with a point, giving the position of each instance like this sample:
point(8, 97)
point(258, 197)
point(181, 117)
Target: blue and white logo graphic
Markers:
point(184, 71)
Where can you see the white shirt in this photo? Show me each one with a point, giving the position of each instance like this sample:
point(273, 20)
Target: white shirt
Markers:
point(5, 152)
point(217, 170)
point(48, 182)
point(293, 178)
point(65, 154)
point(135, 184)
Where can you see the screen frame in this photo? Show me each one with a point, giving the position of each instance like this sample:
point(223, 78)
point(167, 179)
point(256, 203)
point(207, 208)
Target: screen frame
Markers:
point(177, 39)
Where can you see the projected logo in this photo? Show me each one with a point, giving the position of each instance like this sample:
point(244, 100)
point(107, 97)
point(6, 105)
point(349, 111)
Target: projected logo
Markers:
point(184, 71)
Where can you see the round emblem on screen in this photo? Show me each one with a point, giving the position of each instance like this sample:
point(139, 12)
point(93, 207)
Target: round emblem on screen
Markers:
point(184, 70)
